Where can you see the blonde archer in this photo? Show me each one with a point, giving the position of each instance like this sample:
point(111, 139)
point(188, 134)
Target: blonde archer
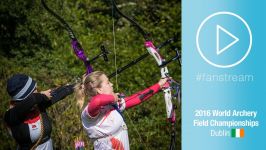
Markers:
point(87, 87)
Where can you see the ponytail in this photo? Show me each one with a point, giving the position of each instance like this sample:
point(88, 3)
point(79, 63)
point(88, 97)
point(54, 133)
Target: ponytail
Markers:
point(79, 95)
point(87, 88)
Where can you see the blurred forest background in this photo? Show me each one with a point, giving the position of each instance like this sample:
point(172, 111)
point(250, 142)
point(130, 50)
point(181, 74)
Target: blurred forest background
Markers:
point(33, 42)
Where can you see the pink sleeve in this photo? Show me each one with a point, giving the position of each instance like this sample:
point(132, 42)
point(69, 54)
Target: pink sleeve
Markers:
point(97, 102)
point(141, 96)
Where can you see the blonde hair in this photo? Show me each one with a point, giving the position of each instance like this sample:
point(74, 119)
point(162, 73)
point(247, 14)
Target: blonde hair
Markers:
point(87, 88)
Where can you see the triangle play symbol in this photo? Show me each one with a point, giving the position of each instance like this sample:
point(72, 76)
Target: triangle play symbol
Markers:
point(233, 38)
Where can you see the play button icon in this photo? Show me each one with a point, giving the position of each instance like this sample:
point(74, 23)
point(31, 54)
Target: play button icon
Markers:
point(224, 39)
point(222, 36)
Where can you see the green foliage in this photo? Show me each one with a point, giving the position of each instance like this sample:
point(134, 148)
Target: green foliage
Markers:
point(35, 43)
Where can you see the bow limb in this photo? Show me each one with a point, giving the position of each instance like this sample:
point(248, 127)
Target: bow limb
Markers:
point(78, 50)
point(138, 27)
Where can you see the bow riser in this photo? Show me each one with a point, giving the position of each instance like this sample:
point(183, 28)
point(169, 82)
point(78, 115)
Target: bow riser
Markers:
point(79, 52)
point(164, 73)
point(168, 103)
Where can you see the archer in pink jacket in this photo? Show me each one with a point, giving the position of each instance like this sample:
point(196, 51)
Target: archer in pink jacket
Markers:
point(102, 117)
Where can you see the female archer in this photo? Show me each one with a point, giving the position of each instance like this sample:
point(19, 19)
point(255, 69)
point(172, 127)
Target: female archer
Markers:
point(26, 118)
point(102, 118)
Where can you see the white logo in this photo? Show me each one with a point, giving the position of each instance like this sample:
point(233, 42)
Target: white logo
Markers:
point(219, 49)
